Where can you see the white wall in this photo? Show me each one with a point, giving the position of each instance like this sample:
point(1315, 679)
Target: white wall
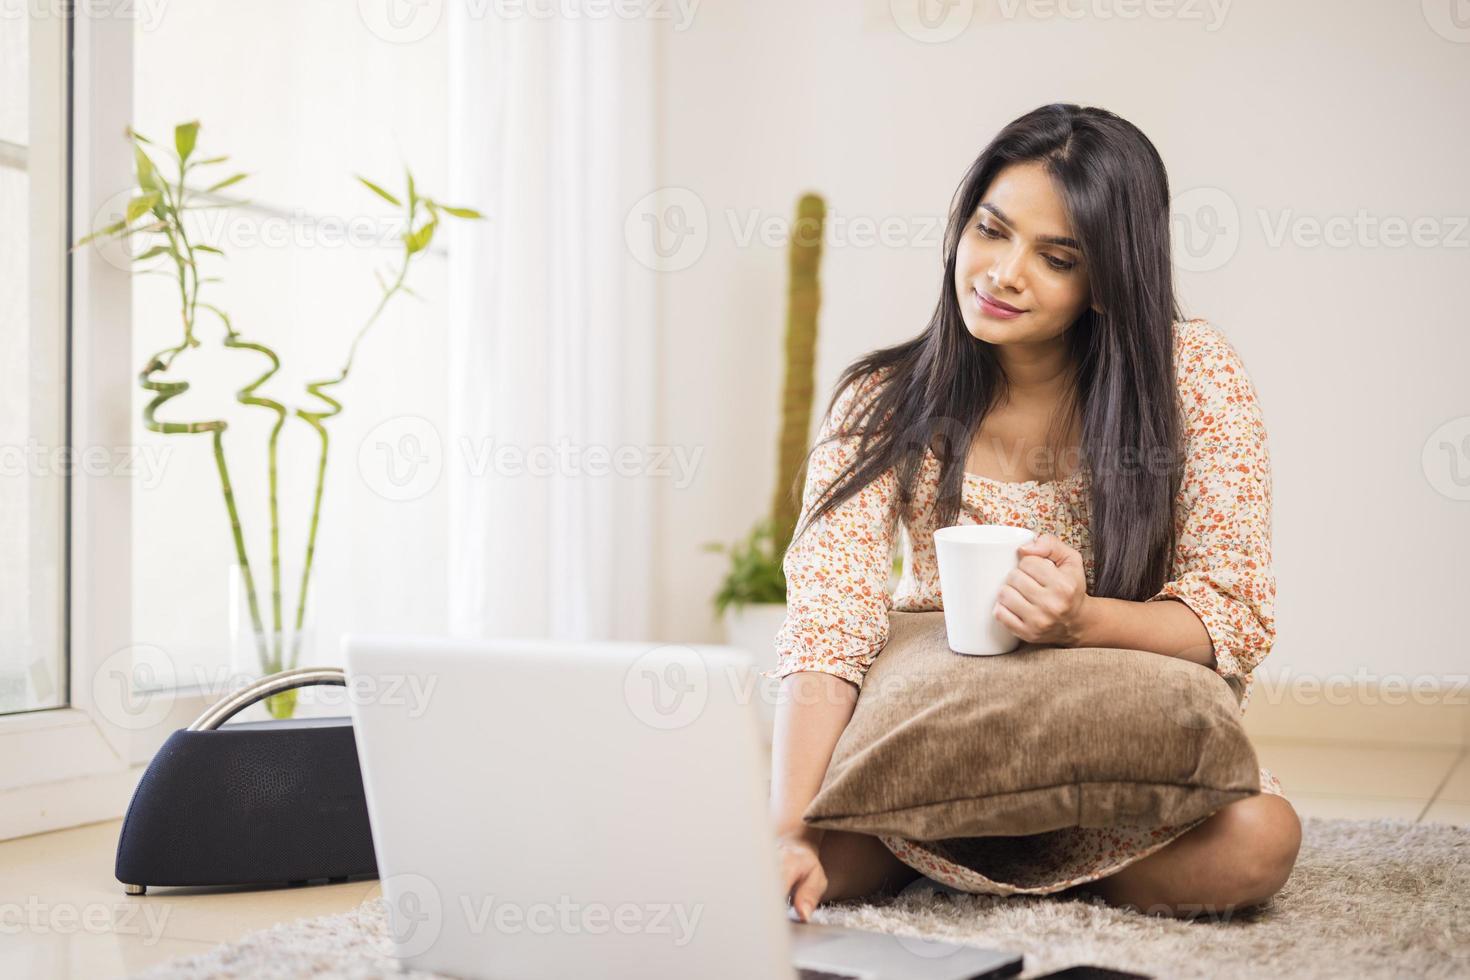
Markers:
point(763, 100)
point(1296, 111)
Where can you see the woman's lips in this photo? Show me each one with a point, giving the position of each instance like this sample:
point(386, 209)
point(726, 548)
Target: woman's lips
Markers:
point(995, 308)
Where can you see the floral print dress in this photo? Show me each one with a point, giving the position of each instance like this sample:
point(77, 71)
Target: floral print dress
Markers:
point(838, 599)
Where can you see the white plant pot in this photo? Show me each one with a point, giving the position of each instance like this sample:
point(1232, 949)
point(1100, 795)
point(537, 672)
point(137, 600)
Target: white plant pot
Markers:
point(753, 628)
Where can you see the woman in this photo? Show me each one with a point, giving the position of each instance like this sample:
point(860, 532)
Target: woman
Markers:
point(1056, 387)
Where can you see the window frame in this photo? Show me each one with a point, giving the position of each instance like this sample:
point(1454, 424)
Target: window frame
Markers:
point(66, 766)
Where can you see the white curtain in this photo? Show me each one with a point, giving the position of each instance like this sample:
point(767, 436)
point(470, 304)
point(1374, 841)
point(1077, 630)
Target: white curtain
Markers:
point(552, 326)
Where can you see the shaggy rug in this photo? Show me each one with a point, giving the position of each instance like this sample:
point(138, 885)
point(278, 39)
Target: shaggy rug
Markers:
point(1368, 898)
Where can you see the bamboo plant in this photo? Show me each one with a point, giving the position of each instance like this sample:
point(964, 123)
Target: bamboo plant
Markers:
point(157, 211)
point(755, 574)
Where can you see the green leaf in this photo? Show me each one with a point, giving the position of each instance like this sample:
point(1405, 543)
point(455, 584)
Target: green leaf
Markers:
point(147, 175)
point(412, 195)
point(185, 135)
point(155, 250)
point(208, 161)
point(111, 229)
point(380, 192)
point(419, 240)
point(225, 183)
point(462, 212)
point(208, 248)
point(140, 206)
point(219, 313)
point(134, 134)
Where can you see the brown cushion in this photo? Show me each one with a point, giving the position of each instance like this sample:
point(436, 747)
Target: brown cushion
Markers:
point(943, 745)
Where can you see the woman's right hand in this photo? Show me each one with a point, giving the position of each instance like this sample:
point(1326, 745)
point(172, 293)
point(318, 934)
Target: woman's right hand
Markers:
point(803, 882)
point(814, 709)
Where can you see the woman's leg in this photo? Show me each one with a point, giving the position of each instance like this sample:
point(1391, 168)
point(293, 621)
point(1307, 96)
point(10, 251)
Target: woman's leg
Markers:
point(858, 865)
point(1239, 856)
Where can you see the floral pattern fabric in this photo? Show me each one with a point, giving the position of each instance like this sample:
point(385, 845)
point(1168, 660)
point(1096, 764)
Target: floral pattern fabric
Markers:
point(838, 573)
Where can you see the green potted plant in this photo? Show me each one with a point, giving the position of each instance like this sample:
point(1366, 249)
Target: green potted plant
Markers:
point(157, 212)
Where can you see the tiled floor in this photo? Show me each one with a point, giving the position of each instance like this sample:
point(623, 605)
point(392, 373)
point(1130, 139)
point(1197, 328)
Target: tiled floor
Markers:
point(75, 921)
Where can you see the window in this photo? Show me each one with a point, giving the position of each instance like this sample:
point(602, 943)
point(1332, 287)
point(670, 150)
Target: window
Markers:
point(33, 373)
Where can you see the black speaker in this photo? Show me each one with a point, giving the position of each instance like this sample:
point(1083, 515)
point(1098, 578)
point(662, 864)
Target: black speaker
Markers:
point(251, 803)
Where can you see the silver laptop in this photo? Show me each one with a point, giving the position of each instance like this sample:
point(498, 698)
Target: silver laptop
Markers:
point(545, 810)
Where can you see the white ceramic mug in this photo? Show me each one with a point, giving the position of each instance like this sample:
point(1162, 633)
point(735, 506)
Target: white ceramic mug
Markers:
point(974, 560)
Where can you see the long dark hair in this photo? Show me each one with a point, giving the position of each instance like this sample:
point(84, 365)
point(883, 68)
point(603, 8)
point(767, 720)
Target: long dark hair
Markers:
point(940, 385)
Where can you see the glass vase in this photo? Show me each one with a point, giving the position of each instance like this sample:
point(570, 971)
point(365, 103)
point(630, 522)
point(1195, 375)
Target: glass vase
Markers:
point(259, 653)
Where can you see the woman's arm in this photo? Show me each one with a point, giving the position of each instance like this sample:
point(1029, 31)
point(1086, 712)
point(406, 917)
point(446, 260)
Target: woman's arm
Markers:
point(1045, 600)
point(836, 624)
point(1170, 628)
point(814, 709)
point(1222, 561)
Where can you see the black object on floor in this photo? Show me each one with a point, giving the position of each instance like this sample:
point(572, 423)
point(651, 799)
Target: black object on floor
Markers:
point(253, 803)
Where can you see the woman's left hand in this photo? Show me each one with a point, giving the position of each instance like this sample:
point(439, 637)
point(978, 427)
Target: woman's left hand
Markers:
point(1043, 599)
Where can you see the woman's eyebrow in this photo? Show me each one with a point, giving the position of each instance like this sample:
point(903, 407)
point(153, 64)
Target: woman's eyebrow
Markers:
point(1062, 240)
